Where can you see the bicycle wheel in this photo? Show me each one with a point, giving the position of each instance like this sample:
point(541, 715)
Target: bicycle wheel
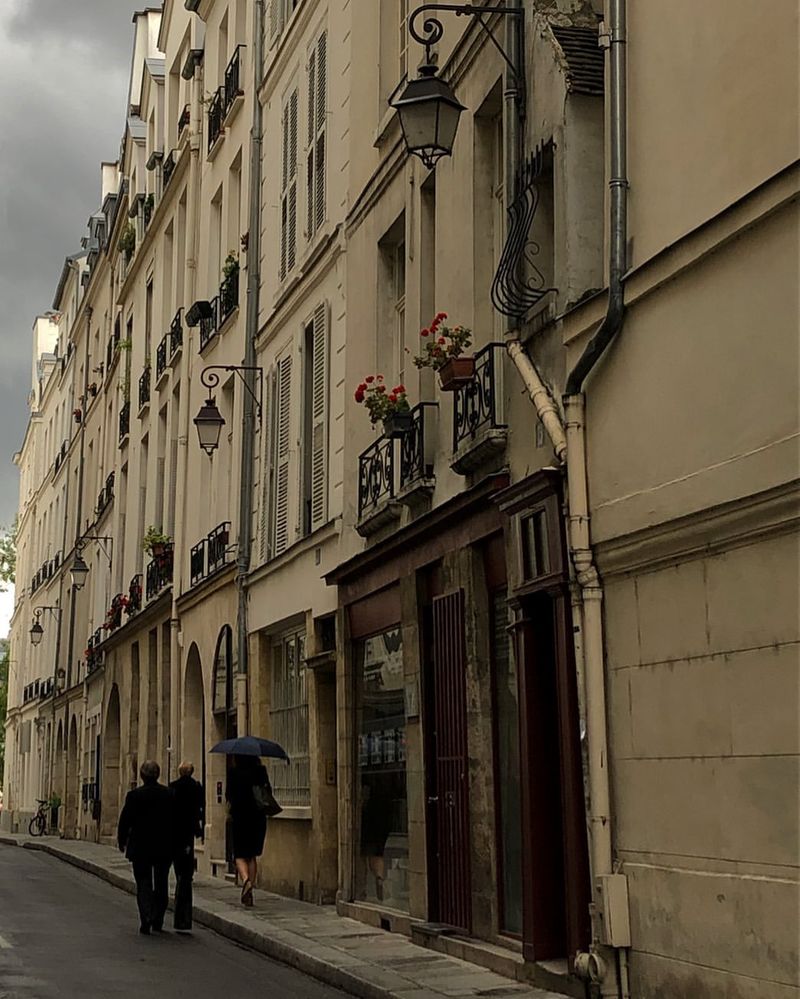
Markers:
point(37, 825)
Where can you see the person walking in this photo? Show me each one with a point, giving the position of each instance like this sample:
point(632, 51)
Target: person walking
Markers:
point(247, 792)
point(189, 804)
point(145, 835)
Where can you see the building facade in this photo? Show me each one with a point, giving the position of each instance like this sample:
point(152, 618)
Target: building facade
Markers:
point(533, 655)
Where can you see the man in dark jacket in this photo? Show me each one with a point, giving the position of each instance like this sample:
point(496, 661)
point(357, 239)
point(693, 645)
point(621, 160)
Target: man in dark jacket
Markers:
point(146, 835)
point(189, 818)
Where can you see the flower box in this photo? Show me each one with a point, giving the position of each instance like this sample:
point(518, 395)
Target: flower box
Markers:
point(455, 372)
point(398, 424)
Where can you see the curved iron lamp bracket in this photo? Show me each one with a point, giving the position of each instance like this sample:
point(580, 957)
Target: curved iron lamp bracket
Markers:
point(512, 293)
point(210, 380)
point(433, 30)
point(84, 539)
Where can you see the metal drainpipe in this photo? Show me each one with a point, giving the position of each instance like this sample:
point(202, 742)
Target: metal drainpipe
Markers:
point(181, 493)
point(79, 514)
point(248, 408)
point(599, 965)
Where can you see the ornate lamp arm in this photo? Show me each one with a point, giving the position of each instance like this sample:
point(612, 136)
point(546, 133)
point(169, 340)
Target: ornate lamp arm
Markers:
point(210, 380)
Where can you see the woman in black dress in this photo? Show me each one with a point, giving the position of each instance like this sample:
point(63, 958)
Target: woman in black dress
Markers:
point(249, 824)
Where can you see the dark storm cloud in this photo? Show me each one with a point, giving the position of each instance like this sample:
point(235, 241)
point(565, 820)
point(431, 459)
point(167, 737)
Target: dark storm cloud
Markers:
point(63, 80)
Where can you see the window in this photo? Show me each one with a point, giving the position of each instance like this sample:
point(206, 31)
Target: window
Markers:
point(289, 185)
point(399, 296)
point(402, 42)
point(277, 450)
point(391, 320)
point(289, 719)
point(279, 13)
point(315, 423)
point(317, 106)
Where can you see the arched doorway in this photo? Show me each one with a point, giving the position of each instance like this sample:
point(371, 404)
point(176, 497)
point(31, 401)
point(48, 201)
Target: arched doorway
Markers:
point(109, 790)
point(73, 778)
point(224, 710)
point(193, 730)
point(132, 777)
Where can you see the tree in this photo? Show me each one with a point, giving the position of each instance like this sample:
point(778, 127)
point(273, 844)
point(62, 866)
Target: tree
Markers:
point(3, 702)
point(8, 554)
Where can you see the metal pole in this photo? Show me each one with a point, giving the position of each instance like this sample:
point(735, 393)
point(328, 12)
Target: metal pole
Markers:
point(248, 407)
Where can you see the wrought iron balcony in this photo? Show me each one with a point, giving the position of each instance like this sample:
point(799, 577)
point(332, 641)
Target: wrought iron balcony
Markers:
point(478, 428)
point(106, 494)
point(216, 113)
point(228, 297)
point(94, 654)
point(144, 387)
point(184, 119)
point(167, 168)
point(135, 595)
point(124, 421)
point(414, 468)
point(147, 209)
point(232, 87)
point(161, 356)
point(158, 573)
point(208, 324)
point(375, 475)
point(210, 554)
point(176, 333)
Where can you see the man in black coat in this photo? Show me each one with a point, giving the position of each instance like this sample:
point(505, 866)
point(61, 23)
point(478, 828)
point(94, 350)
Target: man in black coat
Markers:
point(146, 835)
point(189, 818)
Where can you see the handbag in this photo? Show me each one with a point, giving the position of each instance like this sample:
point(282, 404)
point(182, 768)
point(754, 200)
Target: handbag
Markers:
point(265, 801)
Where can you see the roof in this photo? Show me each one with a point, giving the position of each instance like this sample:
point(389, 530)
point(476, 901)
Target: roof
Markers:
point(585, 59)
point(65, 270)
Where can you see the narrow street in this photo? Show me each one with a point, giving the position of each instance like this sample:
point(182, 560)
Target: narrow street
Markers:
point(67, 935)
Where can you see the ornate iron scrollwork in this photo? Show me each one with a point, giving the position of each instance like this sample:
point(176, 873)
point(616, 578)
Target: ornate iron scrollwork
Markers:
point(475, 404)
point(513, 292)
point(375, 474)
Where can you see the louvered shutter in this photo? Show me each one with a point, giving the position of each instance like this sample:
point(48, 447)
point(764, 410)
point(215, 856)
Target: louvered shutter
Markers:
point(319, 419)
point(284, 185)
point(282, 454)
point(268, 467)
point(321, 108)
point(289, 185)
point(312, 118)
point(274, 15)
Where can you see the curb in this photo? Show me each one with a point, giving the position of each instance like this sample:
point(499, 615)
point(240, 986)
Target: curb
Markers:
point(254, 940)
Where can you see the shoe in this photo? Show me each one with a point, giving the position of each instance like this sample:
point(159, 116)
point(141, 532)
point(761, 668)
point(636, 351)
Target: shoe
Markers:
point(247, 894)
point(144, 929)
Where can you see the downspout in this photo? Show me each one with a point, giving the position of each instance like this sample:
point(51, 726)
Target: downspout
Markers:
point(513, 123)
point(610, 920)
point(248, 408)
point(79, 515)
point(192, 234)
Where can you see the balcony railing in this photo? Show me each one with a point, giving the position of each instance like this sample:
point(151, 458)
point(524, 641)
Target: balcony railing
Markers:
point(228, 296)
point(375, 475)
point(158, 573)
point(414, 466)
point(94, 654)
point(161, 356)
point(185, 118)
point(210, 554)
point(167, 169)
point(124, 421)
point(477, 405)
point(176, 333)
point(216, 112)
point(46, 689)
point(135, 595)
point(144, 387)
point(61, 455)
point(232, 88)
point(106, 495)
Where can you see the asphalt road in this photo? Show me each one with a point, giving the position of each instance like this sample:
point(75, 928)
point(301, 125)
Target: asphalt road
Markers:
point(65, 934)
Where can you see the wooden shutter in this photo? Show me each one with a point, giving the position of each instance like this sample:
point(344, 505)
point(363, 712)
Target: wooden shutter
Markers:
point(283, 452)
point(319, 419)
point(274, 15)
point(321, 108)
point(268, 467)
point(312, 134)
point(289, 185)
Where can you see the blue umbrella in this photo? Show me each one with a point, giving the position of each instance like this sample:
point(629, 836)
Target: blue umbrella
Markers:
point(250, 745)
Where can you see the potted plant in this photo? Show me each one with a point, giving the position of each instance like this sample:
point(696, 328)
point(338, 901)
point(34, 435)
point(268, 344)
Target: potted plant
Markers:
point(154, 542)
point(444, 352)
point(93, 389)
point(387, 406)
point(231, 265)
point(127, 240)
point(77, 415)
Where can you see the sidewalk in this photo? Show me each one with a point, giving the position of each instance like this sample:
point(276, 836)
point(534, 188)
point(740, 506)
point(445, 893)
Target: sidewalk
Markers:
point(363, 961)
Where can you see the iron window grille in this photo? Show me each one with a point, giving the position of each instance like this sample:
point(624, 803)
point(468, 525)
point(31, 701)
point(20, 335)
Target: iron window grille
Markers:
point(124, 421)
point(176, 333)
point(158, 573)
point(232, 86)
point(289, 719)
point(161, 356)
point(216, 113)
point(375, 475)
point(477, 405)
point(144, 387)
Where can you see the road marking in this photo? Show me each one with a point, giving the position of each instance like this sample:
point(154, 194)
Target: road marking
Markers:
point(4, 944)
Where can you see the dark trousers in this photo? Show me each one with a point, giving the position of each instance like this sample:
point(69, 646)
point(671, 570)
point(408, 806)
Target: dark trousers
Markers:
point(184, 871)
point(152, 890)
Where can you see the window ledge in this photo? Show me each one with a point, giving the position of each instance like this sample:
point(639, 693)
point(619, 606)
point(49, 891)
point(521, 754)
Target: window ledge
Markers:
point(301, 812)
point(384, 127)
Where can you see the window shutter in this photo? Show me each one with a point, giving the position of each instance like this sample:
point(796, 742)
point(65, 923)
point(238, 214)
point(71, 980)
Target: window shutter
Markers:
point(321, 109)
point(282, 454)
point(291, 252)
point(274, 14)
point(284, 185)
point(312, 118)
point(319, 420)
point(268, 466)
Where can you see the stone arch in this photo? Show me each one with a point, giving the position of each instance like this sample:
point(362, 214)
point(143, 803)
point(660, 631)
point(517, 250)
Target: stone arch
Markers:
point(109, 793)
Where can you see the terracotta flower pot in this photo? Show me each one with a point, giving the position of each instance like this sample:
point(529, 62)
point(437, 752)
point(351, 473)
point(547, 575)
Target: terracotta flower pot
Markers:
point(398, 424)
point(157, 549)
point(456, 372)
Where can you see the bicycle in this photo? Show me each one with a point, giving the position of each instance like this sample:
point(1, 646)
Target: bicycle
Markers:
point(38, 824)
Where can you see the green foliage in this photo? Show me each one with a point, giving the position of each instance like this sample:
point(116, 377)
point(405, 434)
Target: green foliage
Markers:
point(8, 554)
point(231, 265)
point(154, 537)
point(127, 240)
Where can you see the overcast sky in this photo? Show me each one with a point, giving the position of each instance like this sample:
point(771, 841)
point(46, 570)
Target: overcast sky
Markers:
point(63, 82)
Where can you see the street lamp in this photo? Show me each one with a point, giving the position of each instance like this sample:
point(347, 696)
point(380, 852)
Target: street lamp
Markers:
point(428, 109)
point(209, 421)
point(78, 572)
point(37, 631)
